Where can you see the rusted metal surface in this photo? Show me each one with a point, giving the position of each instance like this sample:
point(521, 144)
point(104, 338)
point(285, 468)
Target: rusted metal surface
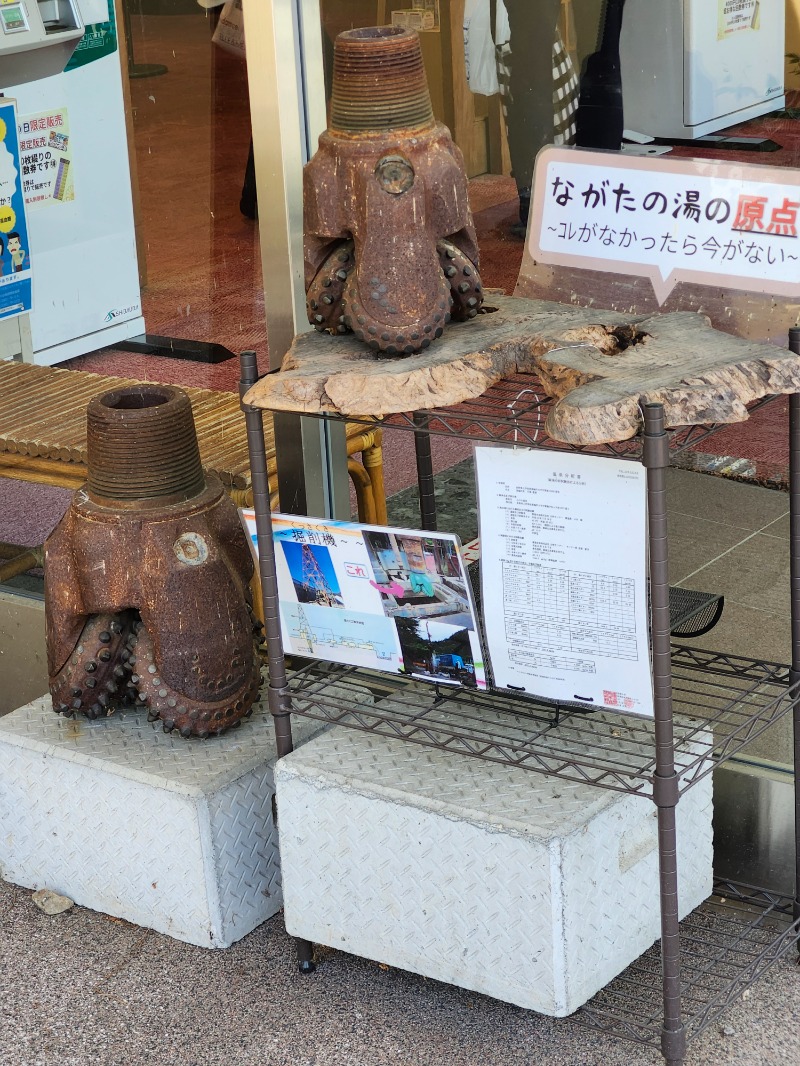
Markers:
point(390, 248)
point(147, 575)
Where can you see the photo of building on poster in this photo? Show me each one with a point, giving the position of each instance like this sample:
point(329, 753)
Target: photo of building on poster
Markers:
point(388, 599)
point(15, 250)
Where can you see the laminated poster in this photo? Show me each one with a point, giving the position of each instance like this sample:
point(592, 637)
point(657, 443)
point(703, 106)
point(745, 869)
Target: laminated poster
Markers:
point(15, 252)
point(46, 156)
point(731, 225)
point(564, 577)
point(388, 599)
point(737, 15)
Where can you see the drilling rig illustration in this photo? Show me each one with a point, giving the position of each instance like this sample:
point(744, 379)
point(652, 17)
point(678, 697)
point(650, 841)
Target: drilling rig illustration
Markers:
point(309, 640)
point(305, 635)
point(315, 581)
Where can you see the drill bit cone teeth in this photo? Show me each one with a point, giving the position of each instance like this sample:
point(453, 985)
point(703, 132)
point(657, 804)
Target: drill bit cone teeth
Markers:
point(147, 575)
point(387, 215)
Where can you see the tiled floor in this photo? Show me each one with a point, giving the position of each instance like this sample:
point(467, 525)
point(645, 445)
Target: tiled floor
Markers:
point(734, 539)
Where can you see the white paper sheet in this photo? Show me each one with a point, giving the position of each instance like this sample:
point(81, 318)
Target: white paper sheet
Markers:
point(563, 541)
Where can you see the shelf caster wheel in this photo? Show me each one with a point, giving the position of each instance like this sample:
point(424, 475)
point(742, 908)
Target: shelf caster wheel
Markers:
point(306, 966)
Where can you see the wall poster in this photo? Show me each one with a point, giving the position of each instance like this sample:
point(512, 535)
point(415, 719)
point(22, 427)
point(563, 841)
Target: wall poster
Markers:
point(564, 578)
point(46, 156)
point(396, 600)
point(737, 15)
point(15, 250)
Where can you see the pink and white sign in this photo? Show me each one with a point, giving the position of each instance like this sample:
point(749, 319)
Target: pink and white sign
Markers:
point(669, 220)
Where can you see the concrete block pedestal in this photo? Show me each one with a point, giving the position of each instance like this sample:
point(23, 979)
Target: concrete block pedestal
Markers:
point(530, 889)
point(176, 835)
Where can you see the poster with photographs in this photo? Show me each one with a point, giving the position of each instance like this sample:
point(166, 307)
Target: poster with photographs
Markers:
point(389, 599)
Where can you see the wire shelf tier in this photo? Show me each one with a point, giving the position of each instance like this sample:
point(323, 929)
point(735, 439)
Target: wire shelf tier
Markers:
point(514, 411)
point(721, 703)
point(727, 944)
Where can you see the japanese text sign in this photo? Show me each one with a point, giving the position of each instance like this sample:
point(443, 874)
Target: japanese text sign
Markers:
point(46, 158)
point(737, 15)
point(15, 260)
point(669, 220)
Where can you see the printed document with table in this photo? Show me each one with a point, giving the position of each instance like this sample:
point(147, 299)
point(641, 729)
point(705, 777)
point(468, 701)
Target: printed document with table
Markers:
point(564, 576)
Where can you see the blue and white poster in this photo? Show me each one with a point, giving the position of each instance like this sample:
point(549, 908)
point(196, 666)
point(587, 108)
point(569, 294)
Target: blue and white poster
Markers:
point(396, 600)
point(15, 252)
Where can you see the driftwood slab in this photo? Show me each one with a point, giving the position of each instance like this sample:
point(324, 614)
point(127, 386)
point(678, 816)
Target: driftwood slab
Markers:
point(599, 365)
point(699, 374)
point(326, 374)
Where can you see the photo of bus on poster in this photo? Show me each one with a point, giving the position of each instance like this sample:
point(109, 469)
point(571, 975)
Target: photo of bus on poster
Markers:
point(388, 599)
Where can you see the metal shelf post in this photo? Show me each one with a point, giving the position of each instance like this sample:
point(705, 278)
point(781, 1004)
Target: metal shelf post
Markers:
point(425, 483)
point(278, 695)
point(655, 458)
point(794, 565)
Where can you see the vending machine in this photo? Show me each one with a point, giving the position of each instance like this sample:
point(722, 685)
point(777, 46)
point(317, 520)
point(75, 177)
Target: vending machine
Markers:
point(691, 67)
point(60, 63)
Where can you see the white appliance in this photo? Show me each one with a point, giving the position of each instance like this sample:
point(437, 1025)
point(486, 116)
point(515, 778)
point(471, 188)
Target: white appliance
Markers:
point(37, 38)
point(691, 67)
point(74, 154)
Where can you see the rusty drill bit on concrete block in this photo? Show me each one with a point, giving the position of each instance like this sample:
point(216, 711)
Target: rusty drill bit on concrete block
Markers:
point(147, 575)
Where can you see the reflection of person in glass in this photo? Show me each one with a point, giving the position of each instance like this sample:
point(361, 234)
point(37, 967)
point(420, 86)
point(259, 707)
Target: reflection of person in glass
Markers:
point(17, 252)
point(539, 88)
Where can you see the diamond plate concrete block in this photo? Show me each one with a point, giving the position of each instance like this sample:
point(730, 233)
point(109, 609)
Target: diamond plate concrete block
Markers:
point(530, 889)
point(176, 835)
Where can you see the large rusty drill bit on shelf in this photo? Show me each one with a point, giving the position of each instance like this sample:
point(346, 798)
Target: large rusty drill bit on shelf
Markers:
point(147, 575)
point(390, 248)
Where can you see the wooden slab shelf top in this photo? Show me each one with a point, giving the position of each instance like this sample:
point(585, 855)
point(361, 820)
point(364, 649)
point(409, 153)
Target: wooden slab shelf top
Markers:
point(598, 365)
